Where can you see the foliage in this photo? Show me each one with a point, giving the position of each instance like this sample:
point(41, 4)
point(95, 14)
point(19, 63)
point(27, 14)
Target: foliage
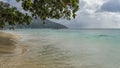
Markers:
point(42, 9)
point(11, 16)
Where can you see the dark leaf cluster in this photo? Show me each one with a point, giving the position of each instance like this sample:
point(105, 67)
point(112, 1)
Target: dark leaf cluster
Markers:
point(43, 9)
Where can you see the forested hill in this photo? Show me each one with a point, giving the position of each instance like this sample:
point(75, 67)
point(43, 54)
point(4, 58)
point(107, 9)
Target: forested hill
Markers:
point(39, 24)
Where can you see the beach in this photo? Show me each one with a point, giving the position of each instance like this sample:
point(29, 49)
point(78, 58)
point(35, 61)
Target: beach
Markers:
point(7, 42)
point(47, 48)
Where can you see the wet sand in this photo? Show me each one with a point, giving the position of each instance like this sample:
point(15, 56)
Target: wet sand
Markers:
point(11, 50)
point(8, 43)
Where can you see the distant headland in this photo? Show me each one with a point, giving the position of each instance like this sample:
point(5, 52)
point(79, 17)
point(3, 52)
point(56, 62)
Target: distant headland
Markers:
point(39, 24)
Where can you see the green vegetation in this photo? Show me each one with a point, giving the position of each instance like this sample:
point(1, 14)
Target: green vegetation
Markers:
point(43, 9)
point(11, 16)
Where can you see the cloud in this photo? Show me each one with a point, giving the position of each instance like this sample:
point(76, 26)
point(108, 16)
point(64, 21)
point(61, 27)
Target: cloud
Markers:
point(89, 17)
point(111, 6)
point(17, 4)
point(14, 4)
point(92, 14)
point(8, 0)
point(3, 0)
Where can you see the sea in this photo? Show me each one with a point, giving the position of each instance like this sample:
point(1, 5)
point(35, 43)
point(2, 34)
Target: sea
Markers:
point(65, 48)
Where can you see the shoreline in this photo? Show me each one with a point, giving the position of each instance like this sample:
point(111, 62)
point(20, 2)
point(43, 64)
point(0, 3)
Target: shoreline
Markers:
point(9, 43)
point(8, 38)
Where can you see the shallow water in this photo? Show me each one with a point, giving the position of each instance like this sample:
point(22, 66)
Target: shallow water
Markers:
point(47, 48)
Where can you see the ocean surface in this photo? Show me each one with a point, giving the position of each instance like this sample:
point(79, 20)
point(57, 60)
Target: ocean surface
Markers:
point(65, 48)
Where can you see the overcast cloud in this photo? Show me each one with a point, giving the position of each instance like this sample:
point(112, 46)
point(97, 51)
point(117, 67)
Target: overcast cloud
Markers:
point(3, 0)
point(96, 14)
point(111, 6)
point(92, 14)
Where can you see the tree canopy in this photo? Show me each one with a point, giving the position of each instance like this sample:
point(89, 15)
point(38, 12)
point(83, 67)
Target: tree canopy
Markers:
point(11, 16)
point(43, 9)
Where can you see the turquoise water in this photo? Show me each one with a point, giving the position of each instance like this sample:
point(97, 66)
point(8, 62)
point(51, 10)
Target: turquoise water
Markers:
point(47, 48)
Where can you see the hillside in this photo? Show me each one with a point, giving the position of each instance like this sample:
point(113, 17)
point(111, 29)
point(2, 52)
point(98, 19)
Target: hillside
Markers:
point(39, 24)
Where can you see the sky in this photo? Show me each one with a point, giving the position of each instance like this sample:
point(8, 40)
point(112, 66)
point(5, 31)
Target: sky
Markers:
point(91, 14)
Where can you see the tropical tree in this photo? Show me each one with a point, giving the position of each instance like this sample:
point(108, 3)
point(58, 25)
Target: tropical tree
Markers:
point(11, 16)
point(43, 9)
